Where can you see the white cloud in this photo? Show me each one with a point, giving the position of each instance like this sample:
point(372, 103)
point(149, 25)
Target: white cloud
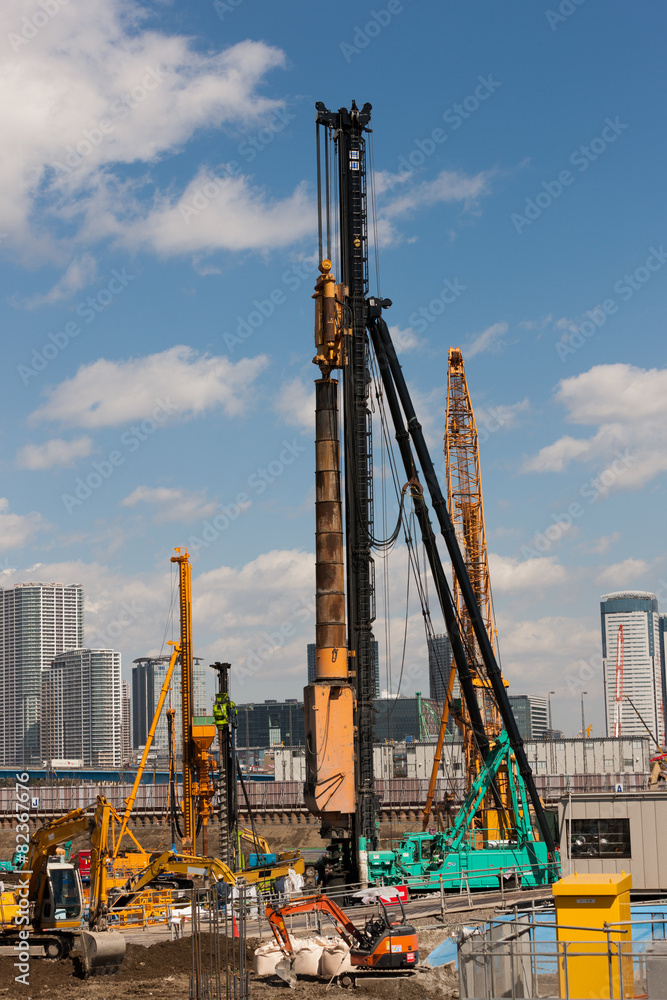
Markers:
point(627, 406)
point(510, 575)
point(176, 381)
point(623, 573)
point(488, 340)
point(296, 403)
point(81, 271)
point(405, 340)
point(602, 544)
point(261, 613)
point(17, 530)
point(539, 655)
point(448, 186)
point(54, 452)
point(504, 416)
point(172, 504)
point(557, 456)
point(93, 91)
point(236, 216)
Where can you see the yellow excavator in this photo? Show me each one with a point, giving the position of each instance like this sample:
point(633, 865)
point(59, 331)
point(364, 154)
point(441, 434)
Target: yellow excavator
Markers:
point(191, 866)
point(45, 909)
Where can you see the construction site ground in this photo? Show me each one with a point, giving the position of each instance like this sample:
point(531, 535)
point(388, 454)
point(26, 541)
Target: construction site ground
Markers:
point(156, 966)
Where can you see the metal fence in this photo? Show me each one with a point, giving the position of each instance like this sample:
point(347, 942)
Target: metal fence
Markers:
point(519, 956)
point(287, 796)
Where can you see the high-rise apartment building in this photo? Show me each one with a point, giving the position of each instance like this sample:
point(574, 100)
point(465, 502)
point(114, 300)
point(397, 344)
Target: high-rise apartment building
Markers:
point(82, 714)
point(37, 622)
point(148, 674)
point(637, 612)
point(376, 657)
point(439, 666)
point(126, 711)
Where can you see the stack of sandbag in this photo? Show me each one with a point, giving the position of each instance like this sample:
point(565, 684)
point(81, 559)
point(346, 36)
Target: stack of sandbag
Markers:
point(313, 956)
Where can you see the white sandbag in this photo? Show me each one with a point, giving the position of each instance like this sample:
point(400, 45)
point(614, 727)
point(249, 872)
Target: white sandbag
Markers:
point(307, 959)
point(335, 961)
point(267, 957)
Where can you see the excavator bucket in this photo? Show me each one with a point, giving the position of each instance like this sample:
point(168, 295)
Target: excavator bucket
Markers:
point(99, 953)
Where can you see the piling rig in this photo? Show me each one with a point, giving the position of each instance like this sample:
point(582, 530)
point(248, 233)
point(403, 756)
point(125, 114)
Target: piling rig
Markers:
point(338, 705)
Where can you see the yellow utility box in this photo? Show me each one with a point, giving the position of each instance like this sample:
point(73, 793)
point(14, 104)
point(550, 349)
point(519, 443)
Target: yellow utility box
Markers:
point(584, 904)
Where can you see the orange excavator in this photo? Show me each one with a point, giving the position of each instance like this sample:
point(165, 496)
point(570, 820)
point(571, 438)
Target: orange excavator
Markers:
point(383, 944)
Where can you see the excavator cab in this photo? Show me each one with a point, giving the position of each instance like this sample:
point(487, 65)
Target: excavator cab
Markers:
point(390, 944)
point(62, 901)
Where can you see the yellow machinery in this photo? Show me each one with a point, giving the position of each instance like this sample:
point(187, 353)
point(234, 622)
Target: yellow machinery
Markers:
point(466, 507)
point(192, 866)
point(46, 907)
point(588, 911)
point(198, 787)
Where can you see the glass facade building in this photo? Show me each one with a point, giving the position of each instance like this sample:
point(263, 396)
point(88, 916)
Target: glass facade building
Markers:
point(148, 674)
point(439, 665)
point(37, 621)
point(270, 723)
point(82, 713)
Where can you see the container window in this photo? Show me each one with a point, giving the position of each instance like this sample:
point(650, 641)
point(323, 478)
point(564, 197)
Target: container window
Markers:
point(601, 838)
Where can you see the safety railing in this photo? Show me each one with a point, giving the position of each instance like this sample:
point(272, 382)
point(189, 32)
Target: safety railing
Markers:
point(521, 957)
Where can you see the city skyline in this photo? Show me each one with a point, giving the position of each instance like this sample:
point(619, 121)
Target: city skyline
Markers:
point(156, 285)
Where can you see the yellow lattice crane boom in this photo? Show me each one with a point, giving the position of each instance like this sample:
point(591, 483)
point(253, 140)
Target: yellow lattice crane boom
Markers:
point(466, 509)
point(464, 495)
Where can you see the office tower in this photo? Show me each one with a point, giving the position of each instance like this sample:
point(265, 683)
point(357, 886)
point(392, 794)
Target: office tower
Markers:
point(148, 674)
point(376, 657)
point(82, 708)
point(439, 665)
point(539, 723)
point(37, 621)
point(637, 612)
point(270, 723)
point(126, 703)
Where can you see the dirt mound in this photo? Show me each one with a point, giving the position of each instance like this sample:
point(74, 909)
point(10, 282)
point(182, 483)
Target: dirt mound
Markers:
point(158, 962)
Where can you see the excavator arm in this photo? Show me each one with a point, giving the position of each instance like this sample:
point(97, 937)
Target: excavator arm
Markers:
point(311, 904)
point(44, 843)
point(191, 865)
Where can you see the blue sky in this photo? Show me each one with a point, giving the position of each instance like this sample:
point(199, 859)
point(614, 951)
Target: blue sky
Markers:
point(157, 232)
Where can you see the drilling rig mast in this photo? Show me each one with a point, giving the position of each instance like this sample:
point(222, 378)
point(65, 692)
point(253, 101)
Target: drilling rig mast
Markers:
point(342, 342)
point(338, 704)
point(198, 789)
